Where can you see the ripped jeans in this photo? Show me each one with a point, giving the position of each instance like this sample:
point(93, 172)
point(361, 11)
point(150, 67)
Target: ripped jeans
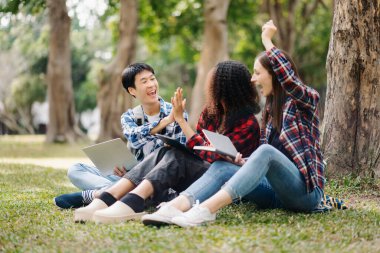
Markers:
point(268, 179)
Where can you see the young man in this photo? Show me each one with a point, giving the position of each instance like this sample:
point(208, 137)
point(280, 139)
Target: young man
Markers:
point(139, 125)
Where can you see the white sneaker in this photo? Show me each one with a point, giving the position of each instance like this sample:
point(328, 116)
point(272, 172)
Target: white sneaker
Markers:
point(196, 216)
point(162, 216)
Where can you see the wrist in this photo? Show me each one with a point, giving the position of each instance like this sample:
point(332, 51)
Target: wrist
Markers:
point(181, 120)
point(166, 121)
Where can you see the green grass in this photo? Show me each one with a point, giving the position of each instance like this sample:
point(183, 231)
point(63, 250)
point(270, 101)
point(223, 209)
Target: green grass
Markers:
point(30, 222)
point(33, 146)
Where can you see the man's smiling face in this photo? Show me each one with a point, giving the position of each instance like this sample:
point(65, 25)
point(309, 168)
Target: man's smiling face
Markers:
point(146, 87)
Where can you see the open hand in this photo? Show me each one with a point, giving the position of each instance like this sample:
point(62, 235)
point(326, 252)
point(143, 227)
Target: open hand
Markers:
point(178, 104)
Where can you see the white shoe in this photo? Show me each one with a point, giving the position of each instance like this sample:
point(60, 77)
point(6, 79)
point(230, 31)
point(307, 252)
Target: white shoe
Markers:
point(196, 216)
point(117, 213)
point(162, 216)
point(85, 213)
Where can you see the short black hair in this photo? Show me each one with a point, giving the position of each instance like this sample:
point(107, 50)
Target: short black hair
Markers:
point(130, 72)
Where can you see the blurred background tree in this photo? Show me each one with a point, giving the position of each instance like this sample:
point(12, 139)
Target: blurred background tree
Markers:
point(169, 37)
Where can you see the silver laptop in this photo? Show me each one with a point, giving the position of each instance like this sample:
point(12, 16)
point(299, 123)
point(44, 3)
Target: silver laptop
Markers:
point(109, 154)
point(220, 144)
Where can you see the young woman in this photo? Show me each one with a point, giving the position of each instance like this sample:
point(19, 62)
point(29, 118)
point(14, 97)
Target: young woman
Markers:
point(231, 103)
point(289, 161)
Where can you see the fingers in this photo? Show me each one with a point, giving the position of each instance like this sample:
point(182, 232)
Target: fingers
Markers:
point(269, 25)
point(238, 157)
point(177, 99)
point(119, 171)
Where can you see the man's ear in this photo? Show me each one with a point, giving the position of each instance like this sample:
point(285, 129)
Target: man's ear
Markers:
point(132, 91)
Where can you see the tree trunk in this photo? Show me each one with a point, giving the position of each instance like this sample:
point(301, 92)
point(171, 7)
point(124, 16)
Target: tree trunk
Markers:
point(214, 49)
point(351, 129)
point(61, 126)
point(113, 100)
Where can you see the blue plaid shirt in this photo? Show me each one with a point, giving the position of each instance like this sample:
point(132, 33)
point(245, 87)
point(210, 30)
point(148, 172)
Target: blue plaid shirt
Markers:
point(300, 122)
point(139, 137)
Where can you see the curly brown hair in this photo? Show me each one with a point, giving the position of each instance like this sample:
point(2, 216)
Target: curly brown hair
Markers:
point(231, 93)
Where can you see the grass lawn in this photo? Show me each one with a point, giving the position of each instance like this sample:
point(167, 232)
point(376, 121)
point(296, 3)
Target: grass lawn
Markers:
point(30, 222)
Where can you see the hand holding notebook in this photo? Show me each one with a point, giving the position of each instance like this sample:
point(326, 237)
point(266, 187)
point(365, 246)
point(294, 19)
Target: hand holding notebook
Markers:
point(220, 144)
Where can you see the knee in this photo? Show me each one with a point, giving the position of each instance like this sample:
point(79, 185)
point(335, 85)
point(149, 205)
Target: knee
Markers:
point(73, 170)
point(265, 149)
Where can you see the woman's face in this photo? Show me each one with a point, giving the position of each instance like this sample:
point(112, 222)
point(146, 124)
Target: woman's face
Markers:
point(262, 79)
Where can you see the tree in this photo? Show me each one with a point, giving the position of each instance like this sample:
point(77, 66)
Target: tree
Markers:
point(62, 126)
point(112, 99)
point(214, 49)
point(351, 127)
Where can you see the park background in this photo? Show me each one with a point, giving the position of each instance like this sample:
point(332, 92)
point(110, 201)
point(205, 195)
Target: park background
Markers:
point(69, 55)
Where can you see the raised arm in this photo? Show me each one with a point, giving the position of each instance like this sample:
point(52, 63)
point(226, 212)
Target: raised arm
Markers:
point(178, 113)
point(304, 95)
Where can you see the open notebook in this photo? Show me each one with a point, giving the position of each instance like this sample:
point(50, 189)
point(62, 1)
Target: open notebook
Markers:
point(220, 144)
point(109, 154)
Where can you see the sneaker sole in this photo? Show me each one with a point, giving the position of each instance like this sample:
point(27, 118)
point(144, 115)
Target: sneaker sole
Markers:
point(82, 217)
point(156, 223)
point(187, 225)
point(116, 219)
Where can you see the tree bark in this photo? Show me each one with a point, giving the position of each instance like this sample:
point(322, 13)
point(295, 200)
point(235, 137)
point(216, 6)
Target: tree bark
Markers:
point(351, 129)
point(113, 100)
point(62, 126)
point(214, 49)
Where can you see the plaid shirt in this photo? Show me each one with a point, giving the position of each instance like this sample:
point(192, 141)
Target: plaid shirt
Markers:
point(140, 138)
point(244, 134)
point(299, 133)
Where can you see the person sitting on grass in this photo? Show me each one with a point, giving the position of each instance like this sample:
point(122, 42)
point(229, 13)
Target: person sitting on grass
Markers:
point(288, 162)
point(231, 103)
point(139, 125)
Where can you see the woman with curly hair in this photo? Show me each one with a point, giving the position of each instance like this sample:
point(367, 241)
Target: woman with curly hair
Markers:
point(232, 101)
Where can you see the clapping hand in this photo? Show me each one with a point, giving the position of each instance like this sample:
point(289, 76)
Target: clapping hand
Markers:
point(178, 103)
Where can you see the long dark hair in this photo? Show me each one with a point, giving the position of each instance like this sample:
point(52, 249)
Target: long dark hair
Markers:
point(231, 93)
point(274, 103)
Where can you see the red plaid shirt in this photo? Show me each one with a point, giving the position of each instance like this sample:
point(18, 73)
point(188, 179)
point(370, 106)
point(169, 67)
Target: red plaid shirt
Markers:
point(300, 132)
point(244, 134)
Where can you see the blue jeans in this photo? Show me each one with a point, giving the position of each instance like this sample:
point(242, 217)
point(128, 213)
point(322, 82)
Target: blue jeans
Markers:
point(87, 177)
point(217, 175)
point(281, 186)
point(287, 183)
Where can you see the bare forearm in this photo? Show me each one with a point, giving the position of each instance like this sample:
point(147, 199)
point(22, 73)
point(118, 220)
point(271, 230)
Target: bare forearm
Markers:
point(186, 129)
point(163, 123)
point(268, 44)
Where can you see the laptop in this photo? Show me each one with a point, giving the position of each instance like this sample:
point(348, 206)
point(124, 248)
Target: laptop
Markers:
point(109, 154)
point(220, 144)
